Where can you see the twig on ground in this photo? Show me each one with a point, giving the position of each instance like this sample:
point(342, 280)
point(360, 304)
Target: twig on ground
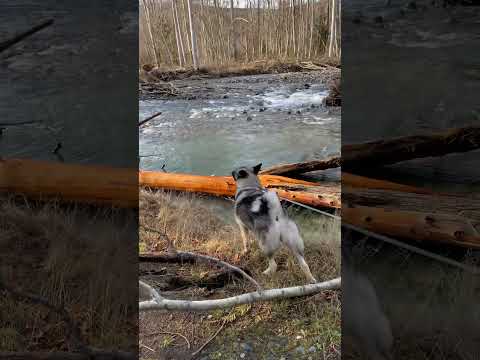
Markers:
point(146, 347)
point(170, 333)
point(210, 339)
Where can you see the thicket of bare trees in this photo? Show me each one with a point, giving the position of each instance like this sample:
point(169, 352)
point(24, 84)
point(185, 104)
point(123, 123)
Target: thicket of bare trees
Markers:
point(219, 32)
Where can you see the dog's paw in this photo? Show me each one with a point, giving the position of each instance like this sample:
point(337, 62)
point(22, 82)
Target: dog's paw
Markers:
point(269, 271)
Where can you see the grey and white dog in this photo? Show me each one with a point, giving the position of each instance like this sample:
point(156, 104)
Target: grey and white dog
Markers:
point(260, 211)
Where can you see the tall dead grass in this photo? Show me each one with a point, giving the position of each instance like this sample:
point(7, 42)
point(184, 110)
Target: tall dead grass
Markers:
point(74, 256)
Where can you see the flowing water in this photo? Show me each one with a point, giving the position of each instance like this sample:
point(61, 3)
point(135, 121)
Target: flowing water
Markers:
point(244, 120)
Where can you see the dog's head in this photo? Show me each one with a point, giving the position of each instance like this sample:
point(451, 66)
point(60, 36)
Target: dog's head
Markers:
point(247, 176)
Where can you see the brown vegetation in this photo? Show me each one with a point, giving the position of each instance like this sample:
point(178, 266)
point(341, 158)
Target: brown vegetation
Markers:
point(193, 226)
point(67, 255)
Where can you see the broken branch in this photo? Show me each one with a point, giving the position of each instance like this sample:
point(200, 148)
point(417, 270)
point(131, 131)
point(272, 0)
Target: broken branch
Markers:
point(185, 256)
point(248, 298)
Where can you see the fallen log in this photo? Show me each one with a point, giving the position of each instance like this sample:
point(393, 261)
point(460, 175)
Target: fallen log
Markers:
point(305, 192)
point(70, 182)
point(357, 181)
point(302, 167)
point(387, 152)
point(414, 225)
point(453, 204)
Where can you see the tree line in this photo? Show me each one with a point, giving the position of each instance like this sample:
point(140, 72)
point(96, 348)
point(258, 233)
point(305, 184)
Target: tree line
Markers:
point(187, 33)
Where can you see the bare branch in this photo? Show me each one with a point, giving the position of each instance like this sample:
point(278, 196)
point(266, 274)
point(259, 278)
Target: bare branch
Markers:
point(248, 298)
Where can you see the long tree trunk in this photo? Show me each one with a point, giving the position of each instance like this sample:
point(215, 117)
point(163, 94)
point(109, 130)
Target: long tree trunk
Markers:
point(182, 47)
point(192, 36)
point(386, 152)
point(332, 28)
point(149, 27)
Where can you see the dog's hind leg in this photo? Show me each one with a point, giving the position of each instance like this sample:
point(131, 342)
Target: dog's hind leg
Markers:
point(292, 239)
point(304, 266)
point(243, 232)
point(272, 266)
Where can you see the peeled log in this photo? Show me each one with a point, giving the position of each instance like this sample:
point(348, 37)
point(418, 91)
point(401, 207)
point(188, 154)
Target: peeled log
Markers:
point(305, 192)
point(420, 226)
point(82, 183)
point(387, 152)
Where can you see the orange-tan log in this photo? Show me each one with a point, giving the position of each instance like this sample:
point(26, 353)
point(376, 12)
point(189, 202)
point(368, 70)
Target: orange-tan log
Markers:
point(82, 183)
point(305, 192)
point(420, 226)
point(357, 181)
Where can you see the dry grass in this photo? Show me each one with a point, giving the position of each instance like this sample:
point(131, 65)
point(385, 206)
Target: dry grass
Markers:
point(69, 255)
point(194, 226)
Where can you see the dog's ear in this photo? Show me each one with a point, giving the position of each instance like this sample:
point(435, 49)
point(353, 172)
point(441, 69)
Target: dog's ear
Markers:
point(256, 168)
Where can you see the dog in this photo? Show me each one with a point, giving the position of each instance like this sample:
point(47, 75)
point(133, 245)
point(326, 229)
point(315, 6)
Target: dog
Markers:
point(260, 212)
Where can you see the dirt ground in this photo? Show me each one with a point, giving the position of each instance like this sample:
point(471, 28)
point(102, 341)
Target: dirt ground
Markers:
point(298, 328)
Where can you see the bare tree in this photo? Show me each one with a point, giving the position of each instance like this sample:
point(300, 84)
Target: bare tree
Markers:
point(192, 36)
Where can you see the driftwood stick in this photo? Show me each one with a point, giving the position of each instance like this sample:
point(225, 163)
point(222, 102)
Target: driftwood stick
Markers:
point(144, 121)
point(4, 45)
point(248, 298)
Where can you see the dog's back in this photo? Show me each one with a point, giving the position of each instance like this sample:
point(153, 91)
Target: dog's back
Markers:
point(253, 209)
